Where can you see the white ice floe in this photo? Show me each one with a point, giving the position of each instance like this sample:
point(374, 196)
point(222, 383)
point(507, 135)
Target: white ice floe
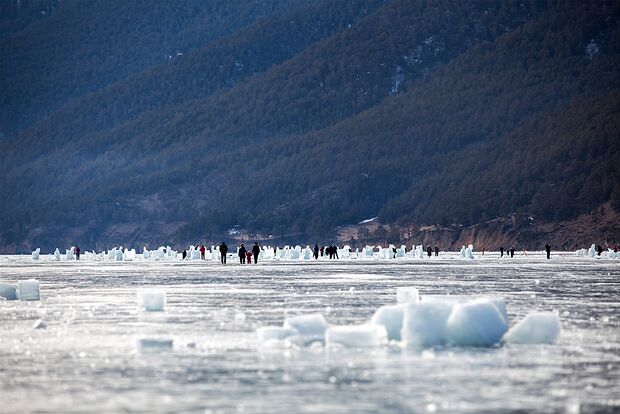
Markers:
point(421, 322)
point(28, 289)
point(407, 295)
point(36, 254)
point(151, 300)
point(475, 323)
point(57, 255)
point(467, 252)
point(356, 336)
point(8, 292)
point(391, 318)
point(309, 327)
point(535, 328)
point(424, 324)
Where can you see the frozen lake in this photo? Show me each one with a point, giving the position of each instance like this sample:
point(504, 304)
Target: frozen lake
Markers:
point(88, 358)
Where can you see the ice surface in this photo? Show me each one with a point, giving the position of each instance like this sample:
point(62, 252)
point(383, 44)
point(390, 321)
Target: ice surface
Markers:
point(90, 309)
point(475, 323)
point(424, 324)
point(407, 295)
point(151, 300)
point(356, 336)
point(28, 289)
point(278, 333)
point(145, 344)
point(391, 318)
point(498, 301)
point(310, 327)
point(9, 292)
point(535, 328)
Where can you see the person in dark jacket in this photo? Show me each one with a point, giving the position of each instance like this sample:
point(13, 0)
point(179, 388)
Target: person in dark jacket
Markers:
point(184, 255)
point(599, 249)
point(242, 252)
point(548, 250)
point(316, 251)
point(429, 251)
point(501, 251)
point(436, 251)
point(255, 252)
point(322, 250)
point(223, 252)
point(77, 253)
point(512, 252)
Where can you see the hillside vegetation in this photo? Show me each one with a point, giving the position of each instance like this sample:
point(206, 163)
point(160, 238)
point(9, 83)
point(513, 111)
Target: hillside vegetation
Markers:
point(307, 116)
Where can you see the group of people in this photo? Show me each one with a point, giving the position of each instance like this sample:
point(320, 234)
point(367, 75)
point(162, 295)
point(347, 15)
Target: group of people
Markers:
point(331, 251)
point(244, 254)
point(509, 252)
point(429, 251)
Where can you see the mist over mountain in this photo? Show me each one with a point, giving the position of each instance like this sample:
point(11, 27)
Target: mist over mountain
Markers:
point(147, 122)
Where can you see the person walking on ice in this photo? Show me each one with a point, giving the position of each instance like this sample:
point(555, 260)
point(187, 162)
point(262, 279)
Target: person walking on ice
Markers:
point(256, 252)
point(242, 252)
point(223, 252)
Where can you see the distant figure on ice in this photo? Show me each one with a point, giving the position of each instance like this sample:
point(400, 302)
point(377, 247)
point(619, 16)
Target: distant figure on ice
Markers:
point(429, 251)
point(599, 249)
point(548, 250)
point(394, 252)
point(316, 251)
point(223, 252)
point(203, 249)
point(184, 254)
point(248, 257)
point(512, 252)
point(255, 252)
point(77, 253)
point(436, 251)
point(322, 250)
point(242, 252)
point(501, 251)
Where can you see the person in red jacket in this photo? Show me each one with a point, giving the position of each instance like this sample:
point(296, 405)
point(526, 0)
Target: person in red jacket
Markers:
point(248, 257)
point(203, 249)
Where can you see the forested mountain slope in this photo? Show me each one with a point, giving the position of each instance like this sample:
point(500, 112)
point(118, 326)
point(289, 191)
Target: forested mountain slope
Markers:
point(83, 46)
point(446, 112)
